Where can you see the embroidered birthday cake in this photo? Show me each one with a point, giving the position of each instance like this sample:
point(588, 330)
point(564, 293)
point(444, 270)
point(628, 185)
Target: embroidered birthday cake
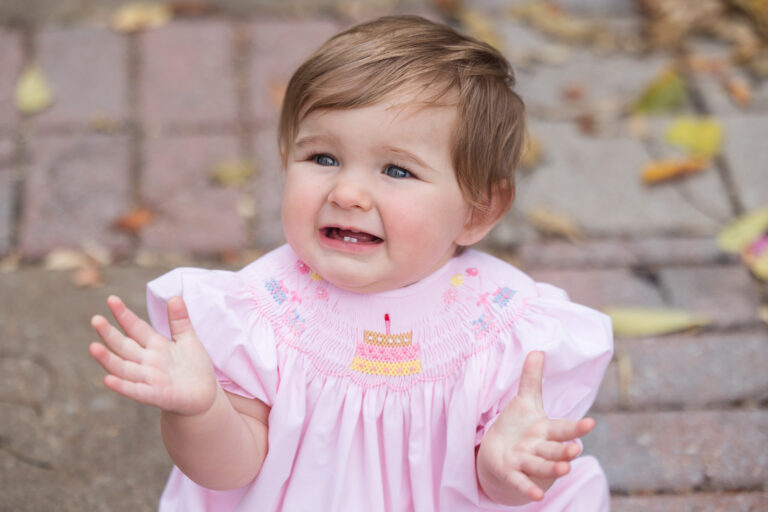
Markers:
point(384, 353)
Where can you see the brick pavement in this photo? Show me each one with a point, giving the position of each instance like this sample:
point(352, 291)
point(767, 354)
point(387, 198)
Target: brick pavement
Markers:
point(141, 120)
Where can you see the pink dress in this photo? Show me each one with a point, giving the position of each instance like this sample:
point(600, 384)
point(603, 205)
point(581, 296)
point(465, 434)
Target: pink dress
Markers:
point(378, 401)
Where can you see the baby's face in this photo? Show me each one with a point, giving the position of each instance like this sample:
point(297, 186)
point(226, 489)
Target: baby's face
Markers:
point(371, 199)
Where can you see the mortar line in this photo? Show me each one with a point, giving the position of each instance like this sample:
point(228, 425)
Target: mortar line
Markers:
point(241, 59)
point(20, 157)
point(719, 161)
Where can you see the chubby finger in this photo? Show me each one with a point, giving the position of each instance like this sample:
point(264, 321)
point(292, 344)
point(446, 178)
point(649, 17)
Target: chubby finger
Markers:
point(531, 376)
point(137, 391)
point(115, 365)
point(116, 341)
point(567, 430)
point(553, 450)
point(134, 327)
point(524, 485)
point(536, 467)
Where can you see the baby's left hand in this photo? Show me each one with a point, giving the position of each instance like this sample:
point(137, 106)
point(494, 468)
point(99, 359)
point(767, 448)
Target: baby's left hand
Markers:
point(524, 451)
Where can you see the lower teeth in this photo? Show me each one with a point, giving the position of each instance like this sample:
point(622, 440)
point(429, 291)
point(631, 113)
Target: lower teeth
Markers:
point(350, 239)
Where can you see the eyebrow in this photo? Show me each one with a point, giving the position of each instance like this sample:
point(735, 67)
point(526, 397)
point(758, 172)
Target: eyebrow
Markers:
point(308, 140)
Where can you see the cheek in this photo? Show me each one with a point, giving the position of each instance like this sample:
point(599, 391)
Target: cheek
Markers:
point(299, 203)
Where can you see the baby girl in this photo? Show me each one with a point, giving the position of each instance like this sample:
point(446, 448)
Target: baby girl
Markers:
point(375, 362)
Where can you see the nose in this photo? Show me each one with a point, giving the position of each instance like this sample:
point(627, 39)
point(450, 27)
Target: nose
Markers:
point(350, 192)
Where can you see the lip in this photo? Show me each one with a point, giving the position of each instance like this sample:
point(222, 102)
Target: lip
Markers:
point(349, 247)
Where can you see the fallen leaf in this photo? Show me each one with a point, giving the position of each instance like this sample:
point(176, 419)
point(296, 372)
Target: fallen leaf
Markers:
point(532, 152)
point(480, 26)
point(664, 170)
point(624, 364)
point(700, 136)
point(573, 93)
point(246, 206)
point(89, 277)
point(550, 223)
point(755, 257)
point(553, 20)
point(33, 94)
point(587, 123)
point(762, 313)
point(552, 54)
point(66, 259)
point(738, 90)
point(134, 221)
point(745, 229)
point(635, 322)
point(136, 16)
point(665, 93)
point(232, 173)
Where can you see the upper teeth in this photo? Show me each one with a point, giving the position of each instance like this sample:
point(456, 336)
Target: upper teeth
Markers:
point(350, 239)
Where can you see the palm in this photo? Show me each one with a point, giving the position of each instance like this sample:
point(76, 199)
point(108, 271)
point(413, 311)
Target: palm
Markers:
point(175, 375)
point(524, 448)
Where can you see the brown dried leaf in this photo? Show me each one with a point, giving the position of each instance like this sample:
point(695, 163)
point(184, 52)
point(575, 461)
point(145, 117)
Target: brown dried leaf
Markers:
point(665, 170)
point(89, 277)
point(550, 223)
point(134, 221)
point(738, 90)
point(136, 16)
point(66, 259)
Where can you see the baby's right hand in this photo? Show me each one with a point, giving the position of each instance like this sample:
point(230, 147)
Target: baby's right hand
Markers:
point(175, 375)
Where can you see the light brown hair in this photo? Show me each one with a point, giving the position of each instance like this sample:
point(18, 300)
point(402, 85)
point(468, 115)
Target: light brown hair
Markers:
point(363, 64)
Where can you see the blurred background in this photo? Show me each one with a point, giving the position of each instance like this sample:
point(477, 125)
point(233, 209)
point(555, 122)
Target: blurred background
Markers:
point(137, 137)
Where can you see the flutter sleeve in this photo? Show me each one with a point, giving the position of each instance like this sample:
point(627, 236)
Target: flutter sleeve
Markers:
point(578, 345)
point(239, 343)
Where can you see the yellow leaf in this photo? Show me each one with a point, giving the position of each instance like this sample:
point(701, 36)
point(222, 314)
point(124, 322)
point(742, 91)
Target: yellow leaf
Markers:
point(665, 93)
point(33, 94)
point(632, 322)
point(532, 152)
point(755, 256)
point(700, 136)
point(480, 27)
point(737, 235)
point(664, 170)
point(553, 223)
point(137, 16)
point(232, 173)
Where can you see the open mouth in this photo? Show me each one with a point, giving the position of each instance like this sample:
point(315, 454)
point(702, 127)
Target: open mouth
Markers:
point(350, 236)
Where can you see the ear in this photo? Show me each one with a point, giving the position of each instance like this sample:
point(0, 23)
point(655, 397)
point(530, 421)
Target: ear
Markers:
point(485, 216)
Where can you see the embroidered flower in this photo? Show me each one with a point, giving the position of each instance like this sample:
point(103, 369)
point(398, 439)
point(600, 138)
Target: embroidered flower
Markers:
point(322, 294)
point(302, 267)
point(315, 276)
point(450, 295)
point(457, 280)
point(472, 271)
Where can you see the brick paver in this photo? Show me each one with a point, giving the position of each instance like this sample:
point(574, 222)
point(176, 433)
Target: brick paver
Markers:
point(87, 70)
point(694, 371)
point(682, 451)
point(704, 502)
point(187, 75)
point(584, 177)
point(193, 214)
point(725, 293)
point(274, 61)
point(75, 188)
point(10, 68)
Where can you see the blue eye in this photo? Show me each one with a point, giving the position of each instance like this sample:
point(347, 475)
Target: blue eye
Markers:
point(394, 171)
point(325, 160)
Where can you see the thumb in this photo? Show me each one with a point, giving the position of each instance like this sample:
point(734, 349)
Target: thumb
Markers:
point(178, 319)
point(531, 377)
